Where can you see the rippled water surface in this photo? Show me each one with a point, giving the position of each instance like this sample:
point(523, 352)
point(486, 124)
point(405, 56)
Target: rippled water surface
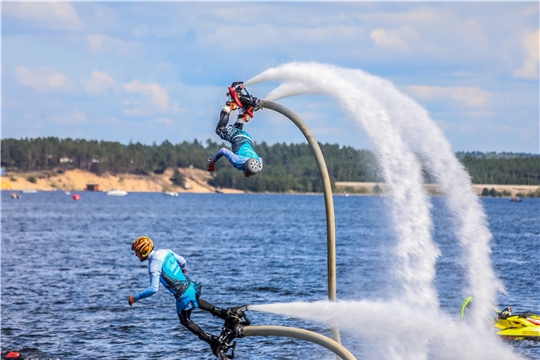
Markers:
point(67, 268)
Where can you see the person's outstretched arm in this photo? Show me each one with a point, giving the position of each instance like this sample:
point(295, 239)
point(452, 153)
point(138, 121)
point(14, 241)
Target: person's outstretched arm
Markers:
point(155, 273)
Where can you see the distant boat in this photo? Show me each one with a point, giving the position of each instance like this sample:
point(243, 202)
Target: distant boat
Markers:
point(29, 191)
point(170, 193)
point(15, 196)
point(116, 192)
point(67, 193)
point(515, 199)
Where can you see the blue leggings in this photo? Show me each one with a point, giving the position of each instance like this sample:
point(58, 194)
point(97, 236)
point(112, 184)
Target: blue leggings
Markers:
point(234, 159)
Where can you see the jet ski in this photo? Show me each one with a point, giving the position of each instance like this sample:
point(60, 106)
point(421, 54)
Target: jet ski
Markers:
point(520, 326)
point(524, 326)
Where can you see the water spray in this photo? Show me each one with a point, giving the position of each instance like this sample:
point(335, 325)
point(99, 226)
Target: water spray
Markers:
point(397, 125)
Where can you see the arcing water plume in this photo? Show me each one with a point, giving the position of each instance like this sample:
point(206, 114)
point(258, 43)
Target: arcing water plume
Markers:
point(418, 130)
point(448, 339)
point(415, 252)
point(469, 218)
point(401, 170)
point(397, 124)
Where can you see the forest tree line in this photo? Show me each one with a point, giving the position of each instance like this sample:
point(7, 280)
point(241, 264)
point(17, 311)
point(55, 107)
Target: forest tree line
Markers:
point(287, 167)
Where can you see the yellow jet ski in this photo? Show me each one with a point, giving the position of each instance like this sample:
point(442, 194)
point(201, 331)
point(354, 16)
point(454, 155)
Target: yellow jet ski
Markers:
point(523, 326)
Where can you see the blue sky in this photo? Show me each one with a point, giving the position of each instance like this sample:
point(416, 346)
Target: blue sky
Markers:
point(144, 71)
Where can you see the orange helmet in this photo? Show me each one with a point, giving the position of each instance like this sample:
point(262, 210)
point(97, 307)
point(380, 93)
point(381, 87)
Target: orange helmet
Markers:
point(144, 245)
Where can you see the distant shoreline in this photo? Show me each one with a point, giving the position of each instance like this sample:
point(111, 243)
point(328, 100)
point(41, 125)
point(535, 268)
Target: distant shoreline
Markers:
point(196, 181)
point(435, 190)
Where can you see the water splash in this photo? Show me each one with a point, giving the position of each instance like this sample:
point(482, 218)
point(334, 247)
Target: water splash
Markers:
point(470, 223)
point(397, 125)
point(448, 339)
point(420, 133)
point(401, 171)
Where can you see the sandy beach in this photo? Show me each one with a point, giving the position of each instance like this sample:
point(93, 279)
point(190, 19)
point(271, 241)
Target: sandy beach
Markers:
point(77, 180)
point(196, 181)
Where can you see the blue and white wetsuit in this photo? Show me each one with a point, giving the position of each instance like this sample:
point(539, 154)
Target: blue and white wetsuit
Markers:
point(242, 147)
point(241, 141)
point(166, 267)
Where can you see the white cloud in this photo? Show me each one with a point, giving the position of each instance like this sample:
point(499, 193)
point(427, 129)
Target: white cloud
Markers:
point(43, 79)
point(73, 118)
point(165, 121)
point(388, 38)
point(99, 83)
point(529, 69)
point(50, 15)
point(405, 38)
point(136, 110)
point(101, 42)
point(95, 41)
point(273, 36)
point(466, 94)
point(481, 113)
point(525, 134)
point(467, 129)
point(158, 95)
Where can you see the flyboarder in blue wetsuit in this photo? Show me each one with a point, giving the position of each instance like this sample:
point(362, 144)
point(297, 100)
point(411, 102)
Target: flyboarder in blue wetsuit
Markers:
point(243, 157)
point(168, 268)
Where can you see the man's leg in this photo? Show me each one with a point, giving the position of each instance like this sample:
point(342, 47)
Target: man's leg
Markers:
point(221, 127)
point(237, 312)
point(212, 340)
point(214, 310)
point(185, 320)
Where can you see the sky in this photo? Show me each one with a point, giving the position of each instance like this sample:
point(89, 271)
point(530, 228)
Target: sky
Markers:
point(154, 71)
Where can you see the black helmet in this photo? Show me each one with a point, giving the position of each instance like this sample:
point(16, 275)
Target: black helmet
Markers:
point(252, 166)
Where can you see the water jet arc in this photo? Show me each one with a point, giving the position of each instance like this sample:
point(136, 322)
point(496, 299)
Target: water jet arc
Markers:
point(301, 334)
point(328, 200)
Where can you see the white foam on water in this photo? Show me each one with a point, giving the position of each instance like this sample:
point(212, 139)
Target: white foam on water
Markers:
point(397, 125)
point(378, 323)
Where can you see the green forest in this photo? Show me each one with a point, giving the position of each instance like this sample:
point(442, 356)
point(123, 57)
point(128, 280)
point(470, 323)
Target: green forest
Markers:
point(287, 167)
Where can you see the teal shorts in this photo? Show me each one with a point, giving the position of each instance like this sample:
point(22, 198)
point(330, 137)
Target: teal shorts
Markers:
point(188, 300)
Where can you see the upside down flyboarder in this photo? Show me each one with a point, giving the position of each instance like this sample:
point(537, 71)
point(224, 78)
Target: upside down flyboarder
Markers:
point(243, 157)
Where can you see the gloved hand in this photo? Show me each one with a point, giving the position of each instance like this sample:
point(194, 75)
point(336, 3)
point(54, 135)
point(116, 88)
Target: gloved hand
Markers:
point(211, 165)
point(131, 300)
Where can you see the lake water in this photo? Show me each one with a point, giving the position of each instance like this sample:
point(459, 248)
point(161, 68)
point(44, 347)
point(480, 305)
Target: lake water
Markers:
point(67, 268)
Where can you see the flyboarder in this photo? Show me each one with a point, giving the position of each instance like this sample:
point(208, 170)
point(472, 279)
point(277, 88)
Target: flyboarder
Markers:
point(243, 157)
point(167, 267)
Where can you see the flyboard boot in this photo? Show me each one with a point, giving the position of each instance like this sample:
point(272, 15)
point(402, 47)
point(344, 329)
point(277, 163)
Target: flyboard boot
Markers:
point(240, 98)
point(212, 340)
point(238, 313)
point(235, 320)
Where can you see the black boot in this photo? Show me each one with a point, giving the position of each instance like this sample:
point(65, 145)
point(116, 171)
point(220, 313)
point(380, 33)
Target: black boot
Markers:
point(212, 340)
point(219, 312)
point(238, 312)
